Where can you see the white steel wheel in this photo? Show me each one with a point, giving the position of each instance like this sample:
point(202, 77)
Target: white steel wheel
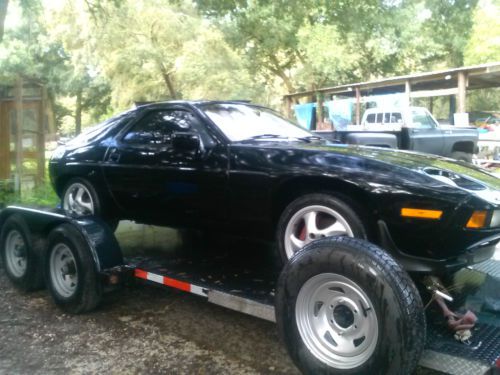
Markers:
point(336, 321)
point(78, 200)
point(63, 271)
point(16, 257)
point(311, 223)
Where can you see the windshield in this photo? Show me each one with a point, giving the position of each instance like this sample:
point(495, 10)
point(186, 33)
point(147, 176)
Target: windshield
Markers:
point(242, 122)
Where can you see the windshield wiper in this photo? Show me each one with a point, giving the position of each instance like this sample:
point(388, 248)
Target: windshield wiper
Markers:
point(311, 138)
point(265, 136)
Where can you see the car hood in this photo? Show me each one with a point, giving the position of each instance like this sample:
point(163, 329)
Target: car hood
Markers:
point(443, 169)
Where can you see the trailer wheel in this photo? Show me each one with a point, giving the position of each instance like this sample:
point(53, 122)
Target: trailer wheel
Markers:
point(346, 306)
point(19, 256)
point(70, 271)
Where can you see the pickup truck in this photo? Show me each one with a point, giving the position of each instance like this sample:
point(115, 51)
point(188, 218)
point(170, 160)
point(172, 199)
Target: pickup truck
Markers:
point(413, 128)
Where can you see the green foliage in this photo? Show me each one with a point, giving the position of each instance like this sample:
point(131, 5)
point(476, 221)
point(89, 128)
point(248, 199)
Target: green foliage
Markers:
point(99, 56)
point(42, 195)
point(449, 27)
point(484, 43)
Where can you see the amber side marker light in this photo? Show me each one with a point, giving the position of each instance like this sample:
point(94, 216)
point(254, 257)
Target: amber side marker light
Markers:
point(477, 220)
point(421, 214)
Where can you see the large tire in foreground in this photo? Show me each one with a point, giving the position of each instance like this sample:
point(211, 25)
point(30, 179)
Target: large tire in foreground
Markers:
point(70, 271)
point(314, 216)
point(19, 255)
point(343, 305)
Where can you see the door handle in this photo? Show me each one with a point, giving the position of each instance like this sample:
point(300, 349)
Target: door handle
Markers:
point(114, 156)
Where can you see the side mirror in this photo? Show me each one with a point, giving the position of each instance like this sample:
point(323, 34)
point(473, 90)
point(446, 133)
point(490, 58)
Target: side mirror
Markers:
point(186, 142)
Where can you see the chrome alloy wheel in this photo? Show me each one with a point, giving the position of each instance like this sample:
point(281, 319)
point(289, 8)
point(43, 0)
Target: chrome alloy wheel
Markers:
point(63, 270)
point(15, 254)
point(336, 321)
point(311, 223)
point(78, 200)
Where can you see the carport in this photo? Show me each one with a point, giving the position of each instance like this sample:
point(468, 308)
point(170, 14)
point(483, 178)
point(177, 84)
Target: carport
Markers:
point(454, 83)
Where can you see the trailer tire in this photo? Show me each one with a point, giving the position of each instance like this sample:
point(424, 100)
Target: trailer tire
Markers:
point(19, 255)
point(346, 306)
point(71, 272)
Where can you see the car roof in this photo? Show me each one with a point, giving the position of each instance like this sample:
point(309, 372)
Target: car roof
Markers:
point(189, 102)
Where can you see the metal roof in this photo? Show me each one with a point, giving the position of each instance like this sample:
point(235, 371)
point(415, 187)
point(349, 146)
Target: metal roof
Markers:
point(479, 76)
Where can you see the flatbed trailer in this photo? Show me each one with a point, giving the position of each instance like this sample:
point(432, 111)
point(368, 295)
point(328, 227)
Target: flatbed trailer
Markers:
point(216, 272)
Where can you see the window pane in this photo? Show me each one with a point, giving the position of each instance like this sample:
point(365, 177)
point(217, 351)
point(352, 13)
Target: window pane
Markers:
point(420, 119)
point(370, 118)
point(396, 118)
point(379, 118)
point(157, 127)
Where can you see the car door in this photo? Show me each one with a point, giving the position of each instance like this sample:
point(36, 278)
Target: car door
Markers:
point(166, 169)
point(425, 135)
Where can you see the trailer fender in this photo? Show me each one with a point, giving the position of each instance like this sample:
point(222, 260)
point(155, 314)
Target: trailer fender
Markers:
point(102, 242)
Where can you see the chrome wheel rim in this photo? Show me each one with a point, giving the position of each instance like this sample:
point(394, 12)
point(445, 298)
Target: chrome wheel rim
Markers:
point(63, 270)
point(16, 258)
point(336, 321)
point(311, 223)
point(78, 200)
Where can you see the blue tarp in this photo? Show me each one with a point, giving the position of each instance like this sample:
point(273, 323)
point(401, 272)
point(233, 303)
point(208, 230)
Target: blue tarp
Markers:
point(340, 112)
point(304, 114)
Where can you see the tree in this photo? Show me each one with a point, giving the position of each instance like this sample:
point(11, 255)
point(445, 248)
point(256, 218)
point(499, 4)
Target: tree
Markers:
point(449, 27)
point(484, 43)
point(3, 13)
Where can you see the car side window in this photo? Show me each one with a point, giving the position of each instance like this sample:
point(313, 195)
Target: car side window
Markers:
point(387, 118)
point(370, 118)
point(420, 119)
point(157, 127)
point(379, 118)
point(396, 118)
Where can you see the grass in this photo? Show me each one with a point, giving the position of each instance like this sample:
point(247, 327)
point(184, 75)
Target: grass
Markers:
point(41, 195)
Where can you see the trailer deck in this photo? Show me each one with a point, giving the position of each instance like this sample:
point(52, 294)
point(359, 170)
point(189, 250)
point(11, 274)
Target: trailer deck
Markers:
point(247, 284)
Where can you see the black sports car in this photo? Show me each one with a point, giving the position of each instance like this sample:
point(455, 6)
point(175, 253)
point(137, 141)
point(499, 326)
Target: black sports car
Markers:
point(234, 166)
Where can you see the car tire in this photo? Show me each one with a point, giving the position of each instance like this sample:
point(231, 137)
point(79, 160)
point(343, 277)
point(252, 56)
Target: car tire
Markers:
point(343, 305)
point(19, 255)
point(70, 271)
point(90, 201)
point(462, 156)
point(331, 211)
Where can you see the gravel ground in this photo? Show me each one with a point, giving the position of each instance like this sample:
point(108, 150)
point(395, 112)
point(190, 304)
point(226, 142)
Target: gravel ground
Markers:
point(138, 329)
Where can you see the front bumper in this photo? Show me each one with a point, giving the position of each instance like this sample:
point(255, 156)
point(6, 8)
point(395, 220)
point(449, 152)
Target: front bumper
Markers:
point(475, 253)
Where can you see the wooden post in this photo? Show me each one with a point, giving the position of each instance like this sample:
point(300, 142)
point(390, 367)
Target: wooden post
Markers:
point(358, 106)
point(408, 93)
point(431, 104)
point(41, 136)
point(319, 112)
point(461, 107)
point(19, 133)
point(287, 103)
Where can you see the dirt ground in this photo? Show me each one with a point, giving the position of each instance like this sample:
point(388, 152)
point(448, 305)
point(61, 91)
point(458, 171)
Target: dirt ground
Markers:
point(139, 329)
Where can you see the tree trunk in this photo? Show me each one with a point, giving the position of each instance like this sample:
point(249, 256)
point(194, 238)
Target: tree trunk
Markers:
point(3, 14)
point(78, 112)
point(168, 81)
